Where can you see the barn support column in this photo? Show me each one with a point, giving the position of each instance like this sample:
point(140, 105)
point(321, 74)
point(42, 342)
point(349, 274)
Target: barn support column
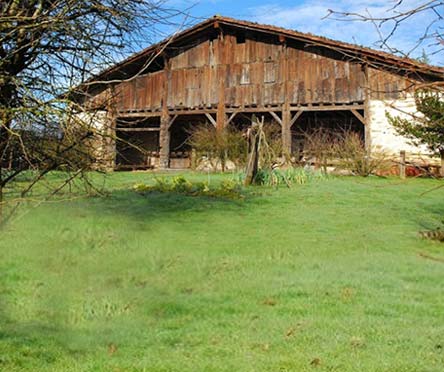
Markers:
point(367, 119)
point(164, 141)
point(165, 120)
point(286, 131)
point(286, 114)
point(221, 118)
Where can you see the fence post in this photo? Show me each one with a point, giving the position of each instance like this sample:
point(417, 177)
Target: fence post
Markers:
point(402, 164)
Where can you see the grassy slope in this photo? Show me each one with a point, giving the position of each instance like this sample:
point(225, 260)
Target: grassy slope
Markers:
point(323, 275)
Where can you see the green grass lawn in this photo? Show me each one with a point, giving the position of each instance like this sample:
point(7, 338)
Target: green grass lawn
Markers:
point(325, 276)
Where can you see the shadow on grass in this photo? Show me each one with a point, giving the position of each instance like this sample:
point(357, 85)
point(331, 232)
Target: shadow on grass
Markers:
point(26, 344)
point(432, 219)
point(164, 205)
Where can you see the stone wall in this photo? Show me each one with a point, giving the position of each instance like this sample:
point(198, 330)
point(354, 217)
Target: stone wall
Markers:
point(103, 144)
point(383, 135)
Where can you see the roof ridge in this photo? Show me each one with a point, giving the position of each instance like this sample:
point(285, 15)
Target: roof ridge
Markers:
point(324, 41)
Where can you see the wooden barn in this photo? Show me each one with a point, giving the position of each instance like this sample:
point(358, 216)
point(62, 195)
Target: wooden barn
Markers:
point(223, 70)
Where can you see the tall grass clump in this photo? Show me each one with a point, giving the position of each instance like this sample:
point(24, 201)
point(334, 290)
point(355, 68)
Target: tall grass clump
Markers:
point(287, 177)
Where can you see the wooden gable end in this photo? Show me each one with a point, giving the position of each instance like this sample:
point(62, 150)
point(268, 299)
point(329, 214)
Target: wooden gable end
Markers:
point(254, 71)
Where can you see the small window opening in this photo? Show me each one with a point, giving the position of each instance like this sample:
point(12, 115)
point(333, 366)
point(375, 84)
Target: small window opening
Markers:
point(240, 38)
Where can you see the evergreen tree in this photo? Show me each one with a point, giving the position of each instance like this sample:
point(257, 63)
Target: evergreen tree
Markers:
point(426, 128)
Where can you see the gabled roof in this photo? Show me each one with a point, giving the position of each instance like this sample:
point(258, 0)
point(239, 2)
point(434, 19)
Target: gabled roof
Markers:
point(352, 50)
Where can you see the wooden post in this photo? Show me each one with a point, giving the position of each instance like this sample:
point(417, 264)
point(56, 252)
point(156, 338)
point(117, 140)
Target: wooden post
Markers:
point(402, 164)
point(286, 114)
point(164, 134)
point(286, 131)
point(164, 141)
point(367, 116)
point(221, 116)
point(193, 159)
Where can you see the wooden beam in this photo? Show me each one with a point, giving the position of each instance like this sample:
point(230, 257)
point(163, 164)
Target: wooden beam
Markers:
point(141, 114)
point(192, 112)
point(171, 122)
point(211, 119)
point(359, 116)
point(253, 109)
point(327, 108)
point(138, 129)
point(276, 117)
point(148, 114)
point(295, 117)
point(232, 117)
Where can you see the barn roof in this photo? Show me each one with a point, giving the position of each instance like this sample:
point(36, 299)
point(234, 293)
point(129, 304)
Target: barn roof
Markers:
point(354, 51)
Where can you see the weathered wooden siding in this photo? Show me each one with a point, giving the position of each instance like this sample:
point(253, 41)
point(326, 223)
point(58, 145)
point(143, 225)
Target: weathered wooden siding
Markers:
point(142, 92)
point(388, 86)
point(255, 73)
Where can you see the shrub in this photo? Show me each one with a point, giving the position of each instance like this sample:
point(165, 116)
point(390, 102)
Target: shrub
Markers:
point(230, 144)
point(229, 189)
point(287, 177)
point(320, 145)
point(352, 156)
point(219, 146)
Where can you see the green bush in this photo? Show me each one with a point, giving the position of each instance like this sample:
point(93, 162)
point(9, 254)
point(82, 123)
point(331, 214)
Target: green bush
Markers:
point(229, 189)
point(287, 177)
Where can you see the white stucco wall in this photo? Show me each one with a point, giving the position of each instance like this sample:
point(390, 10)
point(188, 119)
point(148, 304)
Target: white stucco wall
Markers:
point(96, 120)
point(383, 135)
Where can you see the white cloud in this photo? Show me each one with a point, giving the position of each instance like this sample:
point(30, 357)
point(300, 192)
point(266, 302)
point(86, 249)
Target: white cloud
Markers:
point(309, 16)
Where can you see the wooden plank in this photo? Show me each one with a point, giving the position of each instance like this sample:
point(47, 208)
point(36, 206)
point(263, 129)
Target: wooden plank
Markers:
point(276, 117)
point(172, 120)
point(253, 109)
point(138, 129)
point(223, 51)
point(141, 114)
point(295, 117)
point(232, 117)
point(211, 119)
point(359, 116)
point(192, 112)
point(328, 107)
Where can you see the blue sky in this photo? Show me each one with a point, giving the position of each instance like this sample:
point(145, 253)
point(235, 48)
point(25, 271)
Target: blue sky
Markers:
point(307, 16)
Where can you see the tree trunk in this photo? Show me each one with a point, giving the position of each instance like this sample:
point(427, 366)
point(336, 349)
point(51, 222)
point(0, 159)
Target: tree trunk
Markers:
point(7, 92)
point(253, 157)
point(1, 197)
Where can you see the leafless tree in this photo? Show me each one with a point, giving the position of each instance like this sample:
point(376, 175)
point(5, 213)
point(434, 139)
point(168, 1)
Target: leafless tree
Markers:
point(429, 14)
point(47, 47)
